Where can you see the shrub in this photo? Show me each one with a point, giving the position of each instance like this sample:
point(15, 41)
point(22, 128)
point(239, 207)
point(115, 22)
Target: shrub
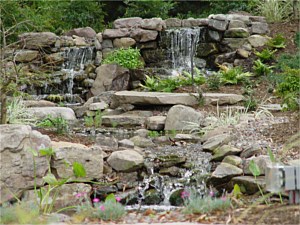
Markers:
point(291, 82)
point(261, 68)
point(277, 42)
point(265, 55)
point(233, 75)
point(59, 123)
point(213, 82)
point(287, 60)
point(297, 39)
point(129, 58)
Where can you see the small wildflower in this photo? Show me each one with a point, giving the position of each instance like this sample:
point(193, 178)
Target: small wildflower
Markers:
point(78, 195)
point(95, 200)
point(185, 194)
point(118, 199)
point(223, 198)
point(211, 194)
point(102, 207)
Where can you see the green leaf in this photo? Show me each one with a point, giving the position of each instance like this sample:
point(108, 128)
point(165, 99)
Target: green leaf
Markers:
point(50, 179)
point(111, 198)
point(33, 152)
point(78, 170)
point(237, 191)
point(47, 152)
point(254, 168)
point(271, 155)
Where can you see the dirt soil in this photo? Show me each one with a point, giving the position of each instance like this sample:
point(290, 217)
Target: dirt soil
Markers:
point(248, 213)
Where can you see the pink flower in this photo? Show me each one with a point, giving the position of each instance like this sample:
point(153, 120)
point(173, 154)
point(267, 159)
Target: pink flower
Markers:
point(223, 198)
point(211, 194)
point(185, 194)
point(102, 207)
point(118, 199)
point(95, 200)
point(78, 195)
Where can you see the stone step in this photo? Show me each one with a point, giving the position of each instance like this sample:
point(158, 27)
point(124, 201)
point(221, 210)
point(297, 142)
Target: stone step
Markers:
point(163, 98)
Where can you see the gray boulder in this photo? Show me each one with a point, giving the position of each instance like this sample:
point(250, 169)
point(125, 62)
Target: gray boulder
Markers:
point(37, 40)
point(126, 160)
point(16, 168)
point(225, 150)
point(173, 22)
point(127, 22)
point(142, 142)
point(257, 40)
point(233, 160)
point(86, 32)
point(191, 22)
point(125, 42)
point(156, 122)
point(180, 117)
point(260, 28)
point(66, 153)
point(212, 143)
point(153, 24)
point(54, 112)
point(262, 161)
point(115, 33)
point(24, 56)
point(110, 77)
point(220, 25)
point(248, 184)
point(142, 35)
point(236, 33)
point(106, 143)
point(38, 103)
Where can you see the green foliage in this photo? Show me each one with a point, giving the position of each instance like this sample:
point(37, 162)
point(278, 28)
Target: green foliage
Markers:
point(171, 83)
point(78, 169)
point(88, 121)
point(291, 82)
point(55, 98)
point(254, 169)
point(287, 60)
point(95, 121)
point(214, 82)
point(129, 58)
point(237, 191)
point(297, 39)
point(59, 123)
point(110, 210)
point(251, 103)
point(291, 101)
point(277, 42)
point(148, 9)
point(154, 133)
point(265, 55)
point(233, 75)
point(261, 69)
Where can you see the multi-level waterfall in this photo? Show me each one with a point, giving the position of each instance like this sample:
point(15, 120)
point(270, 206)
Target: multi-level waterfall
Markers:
point(75, 60)
point(182, 46)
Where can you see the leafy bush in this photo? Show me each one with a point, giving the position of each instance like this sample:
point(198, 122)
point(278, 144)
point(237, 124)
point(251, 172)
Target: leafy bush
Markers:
point(261, 68)
point(59, 123)
point(265, 55)
point(277, 42)
point(287, 60)
point(129, 58)
point(213, 82)
point(233, 75)
point(297, 39)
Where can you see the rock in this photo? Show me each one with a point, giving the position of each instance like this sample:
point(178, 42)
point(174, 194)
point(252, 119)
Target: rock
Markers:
point(260, 28)
point(86, 32)
point(153, 24)
point(163, 98)
point(173, 22)
point(236, 24)
point(142, 142)
point(115, 33)
point(38, 103)
point(166, 161)
point(64, 41)
point(244, 18)
point(124, 119)
point(129, 197)
point(206, 49)
point(179, 117)
point(234, 43)
point(17, 168)
point(217, 131)
point(126, 160)
point(110, 77)
point(220, 25)
point(273, 107)
point(107, 43)
point(37, 40)
point(223, 174)
point(66, 153)
point(186, 137)
point(262, 161)
point(128, 180)
point(99, 37)
point(212, 143)
point(251, 150)
point(103, 191)
point(225, 58)
point(214, 35)
point(98, 59)
point(141, 133)
point(152, 197)
point(295, 162)
point(175, 198)
point(248, 184)
point(191, 22)
point(147, 45)
point(65, 195)
point(55, 112)
point(261, 19)
point(54, 58)
point(233, 160)
point(88, 83)
point(98, 106)
point(24, 56)
point(236, 33)
point(142, 35)
point(243, 53)
point(80, 41)
point(155, 122)
point(124, 42)
point(258, 40)
point(128, 22)
point(125, 143)
point(173, 171)
point(107, 143)
point(225, 150)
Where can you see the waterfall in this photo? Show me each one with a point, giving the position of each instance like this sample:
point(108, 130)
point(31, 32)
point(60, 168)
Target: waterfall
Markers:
point(182, 45)
point(75, 60)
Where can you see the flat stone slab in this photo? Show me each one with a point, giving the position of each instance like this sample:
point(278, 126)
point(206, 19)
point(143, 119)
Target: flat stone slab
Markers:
point(162, 98)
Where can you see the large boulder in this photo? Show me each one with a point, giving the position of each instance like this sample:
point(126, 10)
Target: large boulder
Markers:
point(127, 22)
point(54, 112)
point(173, 22)
point(214, 142)
point(142, 35)
point(17, 167)
point(126, 160)
point(110, 77)
point(34, 40)
point(24, 56)
point(180, 117)
point(86, 32)
point(153, 24)
point(237, 33)
point(115, 33)
point(260, 28)
point(262, 161)
point(225, 150)
point(191, 22)
point(123, 42)
point(66, 153)
point(220, 25)
point(258, 40)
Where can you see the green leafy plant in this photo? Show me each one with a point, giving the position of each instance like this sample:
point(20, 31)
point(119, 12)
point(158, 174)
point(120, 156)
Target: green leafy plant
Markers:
point(129, 58)
point(277, 42)
point(154, 133)
point(213, 82)
point(261, 68)
point(59, 123)
point(251, 103)
point(110, 210)
point(233, 75)
point(266, 54)
point(297, 39)
point(55, 98)
point(88, 121)
point(288, 61)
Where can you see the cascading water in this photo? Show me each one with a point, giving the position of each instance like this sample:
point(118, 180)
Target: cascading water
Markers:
point(182, 46)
